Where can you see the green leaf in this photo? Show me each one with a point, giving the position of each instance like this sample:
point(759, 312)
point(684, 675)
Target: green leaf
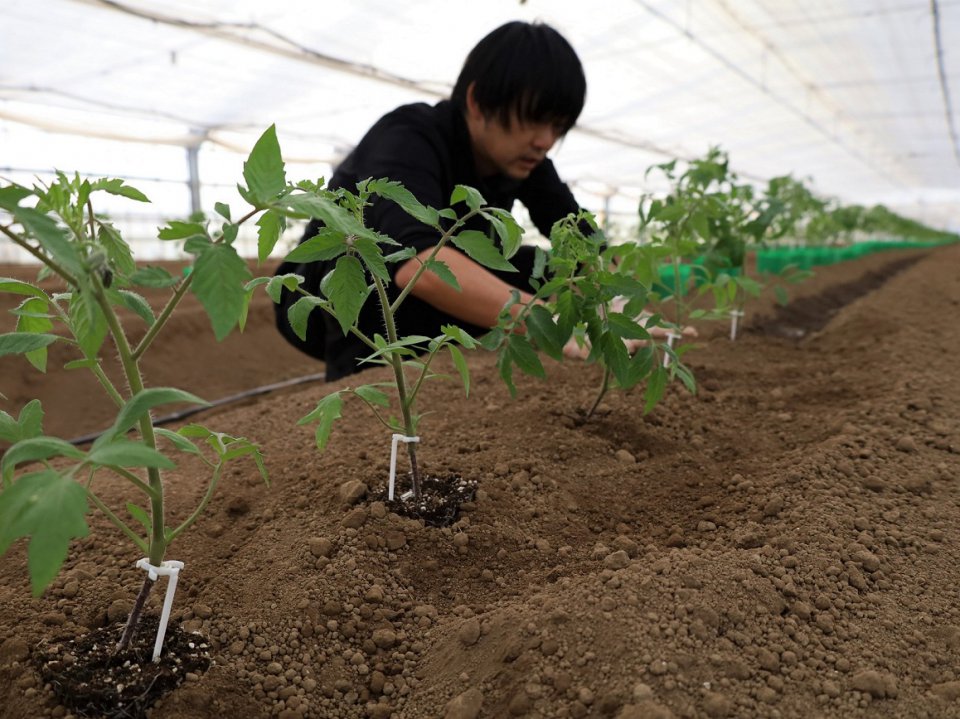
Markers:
point(141, 403)
point(276, 284)
point(406, 253)
point(116, 186)
point(51, 238)
point(372, 257)
point(443, 271)
point(123, 453)
point(626, 327)
point(136, 304)
point(656, 384)
point(402, 196)
point(85, 363)
point(263, 170)
point(271, 224)
point(325, 245)
point(462, 193)
point(219, 276)
point(458, 334)
point(222, 209)
point(334, 217)
point(87, 322)
point(545, 332)
point(140, 515)
point(522, 353)
point(50, 510)
point(117, 249)
point(18, 287)
point(539, 262)
point(325, 414)
point(567, 313)
point(480, 248)
point(9, 429)
point(32, 449)
point(24, 342)
point(32, 318)
point(346, 287)
point(197, 244)
point(299, 313)
point(178, 441)
point(372, 395)
point(28, 426)
point(177, 230)
point(461, 364)
point(153, 277)
point(507, 229)
point(615, 357)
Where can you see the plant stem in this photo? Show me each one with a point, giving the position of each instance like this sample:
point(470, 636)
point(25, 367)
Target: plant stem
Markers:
point(45, 259)
point(203, 504)
point(116, 521)
point(397, 363)
point(134, 619)
point(604, 386)
point(164, 316)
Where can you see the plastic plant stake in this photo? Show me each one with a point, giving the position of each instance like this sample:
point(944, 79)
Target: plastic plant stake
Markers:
point(171, 570)
point(671, 338)
point(735, 316)
point(393, 460)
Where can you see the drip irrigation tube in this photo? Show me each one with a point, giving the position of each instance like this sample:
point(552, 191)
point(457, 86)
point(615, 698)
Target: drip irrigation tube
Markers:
point(230, 399)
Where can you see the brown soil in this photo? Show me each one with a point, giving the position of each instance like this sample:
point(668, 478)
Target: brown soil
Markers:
point(782, 544)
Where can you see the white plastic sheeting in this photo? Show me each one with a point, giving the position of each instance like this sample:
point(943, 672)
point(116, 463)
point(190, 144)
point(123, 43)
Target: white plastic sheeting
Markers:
point(862, 96)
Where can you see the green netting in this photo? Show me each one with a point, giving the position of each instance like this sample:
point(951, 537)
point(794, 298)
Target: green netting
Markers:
point(774, 260)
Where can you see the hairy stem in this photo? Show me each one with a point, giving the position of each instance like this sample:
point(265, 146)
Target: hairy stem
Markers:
point(130, 630)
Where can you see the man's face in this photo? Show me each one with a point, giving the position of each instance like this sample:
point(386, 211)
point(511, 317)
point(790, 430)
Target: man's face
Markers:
point(514, 150)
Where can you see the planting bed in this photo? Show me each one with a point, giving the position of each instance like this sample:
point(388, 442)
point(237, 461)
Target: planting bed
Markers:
point(782, 544)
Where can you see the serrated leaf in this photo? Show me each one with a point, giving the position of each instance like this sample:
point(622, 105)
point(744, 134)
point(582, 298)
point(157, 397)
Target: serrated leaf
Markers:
point(522, 353)
point(346, 287)
point(325, 414)
point(397, 193)
point(140, 515)
point(178, 230)
point(277, 283)
point(32, 449)
point(197, 244)
point(545, 332)
point(23, 342)
point(325, 245)
point(334, 217)
point(480, 248)
point(18, 287)
point(178, 441)
point(462, 193)
point(30, 421)
point(9, 429)
point(49, 509)
point(264, 170)
point(507, 229)
point(443, 271)
point(138, 305)
point(153, 277)
point(219, 276)
point(271, 224)
point(123, 453)
point(118, 251)
point(299, 313)
point(458, 334)
point(372, 395)
point(372, 257)
point(87, 322)
point(615, 357)
point(141, 403)
point(461, 364)
point(31, 317)
point(626, 327)
point(116, 186)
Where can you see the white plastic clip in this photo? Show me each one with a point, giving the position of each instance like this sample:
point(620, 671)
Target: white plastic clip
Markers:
point(735, 316)
point(393, 460)
point(671, 338)
point(171, 570)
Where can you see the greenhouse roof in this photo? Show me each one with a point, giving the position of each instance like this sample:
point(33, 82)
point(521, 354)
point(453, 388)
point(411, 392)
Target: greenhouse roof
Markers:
point(862, 96)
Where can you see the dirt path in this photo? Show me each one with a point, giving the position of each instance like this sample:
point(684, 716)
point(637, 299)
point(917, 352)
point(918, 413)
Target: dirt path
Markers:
point(782, 544)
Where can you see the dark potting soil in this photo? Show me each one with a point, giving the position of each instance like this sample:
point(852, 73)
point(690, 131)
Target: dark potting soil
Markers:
point(93, 681)
point(439, 503)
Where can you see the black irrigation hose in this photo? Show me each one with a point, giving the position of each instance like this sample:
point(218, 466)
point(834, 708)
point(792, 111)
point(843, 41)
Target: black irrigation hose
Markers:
point(183, 414)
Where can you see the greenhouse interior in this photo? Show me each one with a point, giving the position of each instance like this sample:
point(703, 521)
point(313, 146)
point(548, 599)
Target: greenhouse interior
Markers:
point(479, 360)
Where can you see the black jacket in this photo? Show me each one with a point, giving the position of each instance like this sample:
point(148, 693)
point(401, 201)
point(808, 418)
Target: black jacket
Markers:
point(427, 149)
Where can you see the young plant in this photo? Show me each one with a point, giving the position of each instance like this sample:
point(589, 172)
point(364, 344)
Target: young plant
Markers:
point(360, 269)
point(57, 225)
point(585, 293)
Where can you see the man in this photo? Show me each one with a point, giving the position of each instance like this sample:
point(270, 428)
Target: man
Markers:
point(521, 89)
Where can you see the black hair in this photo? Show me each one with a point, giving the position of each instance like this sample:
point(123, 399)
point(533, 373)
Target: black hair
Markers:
point(526, 69)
